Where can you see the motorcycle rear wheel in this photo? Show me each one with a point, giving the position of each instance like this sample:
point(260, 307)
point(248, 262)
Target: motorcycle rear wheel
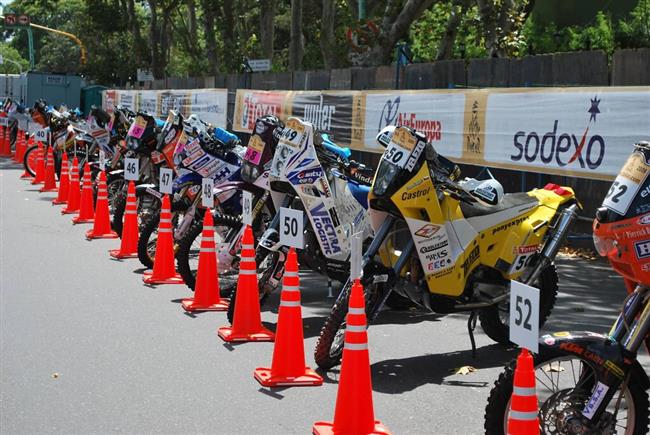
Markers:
point(550, 365)
point(494, 320)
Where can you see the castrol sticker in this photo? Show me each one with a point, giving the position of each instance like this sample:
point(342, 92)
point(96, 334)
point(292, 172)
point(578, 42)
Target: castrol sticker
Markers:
point(627, 184)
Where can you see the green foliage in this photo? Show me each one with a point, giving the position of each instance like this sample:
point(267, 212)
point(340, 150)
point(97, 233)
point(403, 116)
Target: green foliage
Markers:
point(635, 32)
point(10, 54)
point(599, 36)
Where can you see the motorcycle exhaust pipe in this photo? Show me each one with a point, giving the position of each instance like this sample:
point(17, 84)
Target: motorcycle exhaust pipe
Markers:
point(553, 245)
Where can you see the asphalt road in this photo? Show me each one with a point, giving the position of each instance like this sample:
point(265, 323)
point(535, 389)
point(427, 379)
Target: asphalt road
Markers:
point(85, 348)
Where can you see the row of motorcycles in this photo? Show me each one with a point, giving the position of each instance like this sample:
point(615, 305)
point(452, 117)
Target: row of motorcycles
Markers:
point(430, 239)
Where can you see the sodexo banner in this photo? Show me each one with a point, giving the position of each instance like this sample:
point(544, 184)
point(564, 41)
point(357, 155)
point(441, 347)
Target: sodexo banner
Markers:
point(585, 132)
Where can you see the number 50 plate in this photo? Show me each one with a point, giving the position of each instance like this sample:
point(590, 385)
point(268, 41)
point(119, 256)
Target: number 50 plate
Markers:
point(400, 147)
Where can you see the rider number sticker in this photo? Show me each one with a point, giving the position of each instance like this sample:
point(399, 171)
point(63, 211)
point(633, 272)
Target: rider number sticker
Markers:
point(254, 150)
point(628, 182)
point(138, 127)
point(293, 132)
point(400, 147)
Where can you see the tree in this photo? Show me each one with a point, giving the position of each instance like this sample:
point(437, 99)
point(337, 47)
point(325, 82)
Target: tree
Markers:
point(327, 36)
point(296, 43)
point(267, 26)
point(11, 57)
point(502, 21)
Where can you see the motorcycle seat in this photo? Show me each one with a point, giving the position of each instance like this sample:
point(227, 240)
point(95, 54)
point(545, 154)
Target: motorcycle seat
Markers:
point(509, 200)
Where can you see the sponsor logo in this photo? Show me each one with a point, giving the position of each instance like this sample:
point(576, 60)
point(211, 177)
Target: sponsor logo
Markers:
point(562, 147)
point(645, 267)
point(509, 225)
point(596, 399)
point(320, 114)
point(548, 340)
point(325, 229)
point(562, 334)
point(258, 105)
point(486, 193)
point(427, 231)
point(442, 273)
point(438, 264)
point(645, 192)
point(308, 176)
point(437, 255)
point(474, 131)
point(525, 249)
point(473, 256)
point(438, 245)
point(417, 194)
point(641, 232)
point(390, 115)
point(644, 220)
point(170, 136)
point(642, 249)
point(614, 368)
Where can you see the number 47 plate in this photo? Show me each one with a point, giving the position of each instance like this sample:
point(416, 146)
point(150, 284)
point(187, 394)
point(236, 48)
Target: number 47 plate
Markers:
point(524, 316)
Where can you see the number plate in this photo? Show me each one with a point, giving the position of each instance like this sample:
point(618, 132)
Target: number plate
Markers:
point(41, 135)
point(400, 147)
point(138, 127)
point(166, 180)
point(131, 169)
point(291, 230)
point(247, 207)
point(293, 133)
point(627, 184)
point(254, 150)
point(524, 315)
point(207, 198)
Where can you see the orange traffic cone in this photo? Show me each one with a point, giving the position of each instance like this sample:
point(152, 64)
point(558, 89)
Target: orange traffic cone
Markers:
point(129, 243)
point(247, 324)
point(354, 411)
point(164, 271)
point(74, 192)
point(102, 223)
point(86, 209)
point(288, 367)
point(29, 144)
point(64, 182)
point(18, 157)
point(5, 145)
point(50, 180)
point(39, 177)
point(206, 291)
point(523, 418)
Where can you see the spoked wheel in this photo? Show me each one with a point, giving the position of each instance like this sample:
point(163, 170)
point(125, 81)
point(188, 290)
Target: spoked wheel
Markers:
point(149, 238)
point(495, 320)
point(147, 205)
point(266, 265)
point(564, 386)
point(29, 161)
point(329, 348)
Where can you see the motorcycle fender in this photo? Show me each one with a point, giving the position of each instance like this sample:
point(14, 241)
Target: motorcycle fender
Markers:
point(147, 189)
point(612, 360)
point(237, 185)
point(116, 172)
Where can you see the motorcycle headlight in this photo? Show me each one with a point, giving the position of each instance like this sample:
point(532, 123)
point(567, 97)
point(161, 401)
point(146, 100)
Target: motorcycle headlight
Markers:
point(604, 246)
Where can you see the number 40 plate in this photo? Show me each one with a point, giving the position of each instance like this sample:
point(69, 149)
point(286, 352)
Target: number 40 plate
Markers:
point(524, 315)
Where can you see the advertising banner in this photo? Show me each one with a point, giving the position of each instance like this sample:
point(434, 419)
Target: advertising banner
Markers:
point(148, 101)
point(251, 104)
point(586, 133)
point(330, 112)
point(210, 104)
point(439, 115)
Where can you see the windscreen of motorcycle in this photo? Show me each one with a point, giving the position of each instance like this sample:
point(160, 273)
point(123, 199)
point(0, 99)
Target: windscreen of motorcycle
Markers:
point(629, 194)
point(401, 159)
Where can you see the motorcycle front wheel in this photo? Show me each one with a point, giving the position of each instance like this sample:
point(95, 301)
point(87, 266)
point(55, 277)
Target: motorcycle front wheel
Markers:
point(564, 384)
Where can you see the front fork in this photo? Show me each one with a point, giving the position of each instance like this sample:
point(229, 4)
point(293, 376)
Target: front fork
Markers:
point(553, 245)
point(377, 241)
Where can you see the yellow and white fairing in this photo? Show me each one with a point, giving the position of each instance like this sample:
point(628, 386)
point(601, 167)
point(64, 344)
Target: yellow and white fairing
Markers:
point(450, 246)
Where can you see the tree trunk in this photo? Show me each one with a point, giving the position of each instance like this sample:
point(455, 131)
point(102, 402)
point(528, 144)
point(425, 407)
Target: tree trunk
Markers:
point(157, 67)
point(267, 15)
point(448, 41)
point(395, 29)
point(209, 35)
point(296, 47)
point(327, 37)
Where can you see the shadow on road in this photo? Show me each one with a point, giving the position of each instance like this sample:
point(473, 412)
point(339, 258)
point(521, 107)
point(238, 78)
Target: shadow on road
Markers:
point(395, 376)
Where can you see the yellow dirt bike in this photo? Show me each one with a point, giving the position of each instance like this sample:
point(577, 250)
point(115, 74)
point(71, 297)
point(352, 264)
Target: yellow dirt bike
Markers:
point(444, 247)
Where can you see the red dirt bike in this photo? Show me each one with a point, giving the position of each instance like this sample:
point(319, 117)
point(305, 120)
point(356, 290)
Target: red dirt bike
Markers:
point(592, 383)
